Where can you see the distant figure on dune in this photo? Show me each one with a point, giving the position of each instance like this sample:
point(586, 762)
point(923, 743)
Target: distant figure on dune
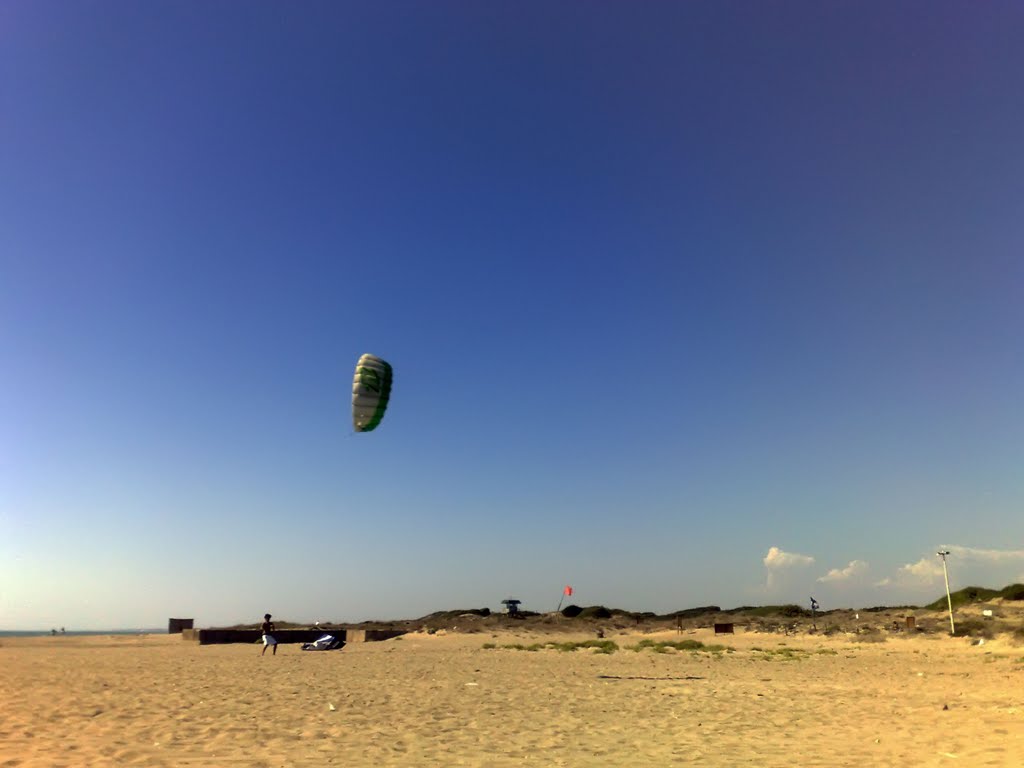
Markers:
point(268, 639)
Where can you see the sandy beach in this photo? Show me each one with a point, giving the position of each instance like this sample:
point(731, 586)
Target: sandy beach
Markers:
point(445, 699)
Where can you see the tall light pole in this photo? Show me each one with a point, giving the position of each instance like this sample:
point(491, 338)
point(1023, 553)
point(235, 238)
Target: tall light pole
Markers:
point(949, 600)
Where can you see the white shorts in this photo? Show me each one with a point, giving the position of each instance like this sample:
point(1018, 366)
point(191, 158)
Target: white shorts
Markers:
point(269, 640)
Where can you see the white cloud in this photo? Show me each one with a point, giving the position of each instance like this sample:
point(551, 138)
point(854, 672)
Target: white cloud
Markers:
point(924, 571)
point(855, 568)
point(988, 555)
point(971, 563)
point(777, 560)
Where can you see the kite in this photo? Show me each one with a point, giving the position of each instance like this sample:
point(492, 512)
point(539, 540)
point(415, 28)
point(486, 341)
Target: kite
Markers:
point(371, 390)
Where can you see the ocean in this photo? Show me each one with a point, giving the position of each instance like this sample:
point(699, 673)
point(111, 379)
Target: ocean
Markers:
point(73, 633)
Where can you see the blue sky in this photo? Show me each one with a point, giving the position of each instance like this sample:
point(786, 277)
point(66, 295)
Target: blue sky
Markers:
point(688, 303)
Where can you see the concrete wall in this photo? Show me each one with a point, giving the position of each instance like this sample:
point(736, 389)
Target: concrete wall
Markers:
point(175, 626)
point(371, 635)
point(219, 636)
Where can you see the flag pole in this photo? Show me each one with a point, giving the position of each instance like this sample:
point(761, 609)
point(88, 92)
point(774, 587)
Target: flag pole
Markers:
point(566, 591)
point(949, 600)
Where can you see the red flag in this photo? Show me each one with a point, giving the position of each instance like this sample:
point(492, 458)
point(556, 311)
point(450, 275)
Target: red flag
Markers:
point(568, 590)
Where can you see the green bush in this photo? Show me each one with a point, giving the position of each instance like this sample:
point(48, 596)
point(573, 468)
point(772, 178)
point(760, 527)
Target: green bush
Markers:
point(790, 611)
point(662, 646)
point(602, 646)
point(1013, 592)
point(870, 635)
point(974, 628)
point(595, 612)
point(964, 596)
point(782, 654)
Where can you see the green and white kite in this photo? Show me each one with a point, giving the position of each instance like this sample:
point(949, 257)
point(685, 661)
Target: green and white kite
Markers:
point(371, 390)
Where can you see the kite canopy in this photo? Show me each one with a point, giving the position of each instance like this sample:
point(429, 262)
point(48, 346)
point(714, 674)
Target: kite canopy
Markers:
point(371, 390)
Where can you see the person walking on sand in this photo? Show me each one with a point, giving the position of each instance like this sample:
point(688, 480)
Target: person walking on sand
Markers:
point(268, 639)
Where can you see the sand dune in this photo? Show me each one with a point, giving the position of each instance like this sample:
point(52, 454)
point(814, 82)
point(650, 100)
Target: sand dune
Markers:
point(445, 700)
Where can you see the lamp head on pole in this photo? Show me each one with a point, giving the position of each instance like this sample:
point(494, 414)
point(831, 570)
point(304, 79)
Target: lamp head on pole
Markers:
point(942, 553)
